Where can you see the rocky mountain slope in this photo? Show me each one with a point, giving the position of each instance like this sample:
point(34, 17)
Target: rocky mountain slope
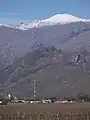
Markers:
point(56, 73)
point(46, 51)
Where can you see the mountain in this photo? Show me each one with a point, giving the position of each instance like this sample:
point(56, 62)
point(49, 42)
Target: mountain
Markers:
point(68, 36)
point(54, 20)
point(56, 74)
point(46, 50)
point(58, 19)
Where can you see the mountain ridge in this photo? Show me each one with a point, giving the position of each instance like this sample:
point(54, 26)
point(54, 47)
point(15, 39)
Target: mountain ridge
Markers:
point(33, 54)
point(50, 21)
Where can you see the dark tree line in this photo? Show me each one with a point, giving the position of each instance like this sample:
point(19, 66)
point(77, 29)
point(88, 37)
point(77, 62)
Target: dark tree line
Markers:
point(83, 96)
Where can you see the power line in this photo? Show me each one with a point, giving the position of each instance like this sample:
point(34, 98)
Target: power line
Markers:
point(34, 89)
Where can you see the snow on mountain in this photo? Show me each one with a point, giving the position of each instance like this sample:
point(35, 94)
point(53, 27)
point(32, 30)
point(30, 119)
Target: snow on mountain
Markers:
point(30, 24)
point(54, 20)
point(64, 19)
point(6, 25)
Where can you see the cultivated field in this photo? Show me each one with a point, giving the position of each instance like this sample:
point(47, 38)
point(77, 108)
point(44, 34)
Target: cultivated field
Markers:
point(78, 111)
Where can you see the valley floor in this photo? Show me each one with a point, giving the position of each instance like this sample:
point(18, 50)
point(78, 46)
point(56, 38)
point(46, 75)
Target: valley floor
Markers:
point(77, 111)
point(20, 107)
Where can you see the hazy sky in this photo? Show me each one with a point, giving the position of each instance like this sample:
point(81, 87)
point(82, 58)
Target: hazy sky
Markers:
point(13, 11)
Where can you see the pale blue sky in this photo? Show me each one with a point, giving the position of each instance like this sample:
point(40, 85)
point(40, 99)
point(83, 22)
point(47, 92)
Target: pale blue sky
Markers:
point(14, 11)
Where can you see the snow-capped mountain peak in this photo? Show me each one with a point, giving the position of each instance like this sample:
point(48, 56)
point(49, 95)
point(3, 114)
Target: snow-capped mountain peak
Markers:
point(53, 20)
point(64, 18)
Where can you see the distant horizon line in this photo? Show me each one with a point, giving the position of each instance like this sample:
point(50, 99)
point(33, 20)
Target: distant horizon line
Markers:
point(29, 20)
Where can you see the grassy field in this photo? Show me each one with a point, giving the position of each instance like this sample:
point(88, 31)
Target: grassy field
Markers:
point(78, 111)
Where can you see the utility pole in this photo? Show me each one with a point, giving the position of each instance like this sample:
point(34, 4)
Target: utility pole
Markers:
point(34, 89)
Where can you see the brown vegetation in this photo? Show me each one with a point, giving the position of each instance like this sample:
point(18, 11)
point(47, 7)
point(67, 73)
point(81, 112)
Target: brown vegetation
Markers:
point(78, 111)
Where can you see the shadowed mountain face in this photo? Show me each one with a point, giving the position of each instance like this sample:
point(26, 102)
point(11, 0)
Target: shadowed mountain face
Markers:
point(56, 73)
point(46, 55)
point(68, 36)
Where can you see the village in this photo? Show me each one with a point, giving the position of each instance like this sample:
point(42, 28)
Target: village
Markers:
point(9, 98)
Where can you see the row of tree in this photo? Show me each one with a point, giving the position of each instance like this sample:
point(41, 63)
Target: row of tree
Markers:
point(79, 97)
